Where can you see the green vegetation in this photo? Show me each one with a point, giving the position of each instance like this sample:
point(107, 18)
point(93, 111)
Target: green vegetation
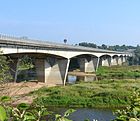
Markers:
point(26, 112)
point(4, 69)
point(132, 112)
point(5, 75)
point(118, 72)
point(104, 93)
point(24, 64)
point(103, 46)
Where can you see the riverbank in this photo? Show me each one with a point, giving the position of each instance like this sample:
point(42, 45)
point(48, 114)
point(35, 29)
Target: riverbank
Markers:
point(96, 94)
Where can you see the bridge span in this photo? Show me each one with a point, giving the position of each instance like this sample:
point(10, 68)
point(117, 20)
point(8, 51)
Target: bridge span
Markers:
point(53, 60)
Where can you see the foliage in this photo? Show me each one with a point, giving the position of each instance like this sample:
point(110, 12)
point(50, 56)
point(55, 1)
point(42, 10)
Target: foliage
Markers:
point(132, 112)
point(26, 112)
point(85, 44)
point(4, 69)
point(135, 59)
point(112, 90)
point(99, 93)
point(22, 112)
point(24, 63)
point(118, 72)
point(5, 75)
point(103, 46)
point(2, 114)
point(59, 117)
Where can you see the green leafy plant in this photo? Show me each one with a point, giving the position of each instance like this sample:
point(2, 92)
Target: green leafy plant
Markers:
point(26, 112)
point(132, 112)
point(21, 112)
point(2, 113)
point(24, 63)
point(64, 117)
point(4, 69)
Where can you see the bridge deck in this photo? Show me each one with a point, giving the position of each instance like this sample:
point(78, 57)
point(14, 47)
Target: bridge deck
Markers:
point(15, 41)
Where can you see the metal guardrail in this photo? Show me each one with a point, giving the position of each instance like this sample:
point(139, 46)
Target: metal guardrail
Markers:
point(23, 39)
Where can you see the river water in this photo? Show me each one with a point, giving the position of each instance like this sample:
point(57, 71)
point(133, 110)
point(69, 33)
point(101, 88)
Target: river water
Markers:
point(87, 113)
point(72, 78)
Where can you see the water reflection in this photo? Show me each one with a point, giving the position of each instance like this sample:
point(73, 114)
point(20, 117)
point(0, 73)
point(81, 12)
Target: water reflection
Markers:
point(98, 114)
point(72, 78)
point(86, 113)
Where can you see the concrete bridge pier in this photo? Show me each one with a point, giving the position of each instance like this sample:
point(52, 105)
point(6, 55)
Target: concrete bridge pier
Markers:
point(114, 60)
point(120, 60)
point(52, 70)
point(105, 60)
point(124, 59)
point(88, 64)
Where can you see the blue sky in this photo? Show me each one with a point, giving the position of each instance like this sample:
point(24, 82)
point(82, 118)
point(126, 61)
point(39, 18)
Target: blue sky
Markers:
point(108, 22)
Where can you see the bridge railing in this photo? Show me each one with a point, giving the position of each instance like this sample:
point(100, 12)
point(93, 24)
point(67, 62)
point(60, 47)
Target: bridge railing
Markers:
point(26, 40)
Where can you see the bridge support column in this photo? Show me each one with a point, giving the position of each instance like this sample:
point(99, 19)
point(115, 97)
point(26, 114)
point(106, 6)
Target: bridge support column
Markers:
point(124, 62)
point(40, 65)
point(105, 61)
point(66, 73)
point(88, 64)
point(120, 60)
point(124, 59)
point(98, 62)
point(114, 61)
point(52, 71)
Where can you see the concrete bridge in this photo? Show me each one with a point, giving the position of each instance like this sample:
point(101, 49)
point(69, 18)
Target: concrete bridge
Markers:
point(53, 60)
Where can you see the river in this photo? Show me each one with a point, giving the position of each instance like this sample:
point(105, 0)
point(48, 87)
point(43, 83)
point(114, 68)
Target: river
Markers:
point(87, 113)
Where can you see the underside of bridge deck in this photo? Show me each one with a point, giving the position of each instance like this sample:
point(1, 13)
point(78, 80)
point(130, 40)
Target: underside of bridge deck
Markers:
point(53, 69)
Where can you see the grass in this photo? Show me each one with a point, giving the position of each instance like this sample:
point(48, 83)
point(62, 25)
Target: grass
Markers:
point(105, 93)
point(119, 72)
point(98, 94)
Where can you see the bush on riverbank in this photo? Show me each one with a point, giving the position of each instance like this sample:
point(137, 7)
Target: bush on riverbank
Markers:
point(101, 94)
point(27, 112)
point(131, 112)
point(119, 72)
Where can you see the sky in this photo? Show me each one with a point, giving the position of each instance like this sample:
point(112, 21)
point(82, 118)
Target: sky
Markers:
point(110, 22)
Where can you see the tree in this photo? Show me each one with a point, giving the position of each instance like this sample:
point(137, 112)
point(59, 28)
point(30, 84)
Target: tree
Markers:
point(104, 46)
point(5, 75)
point(85, 44)
point(137, 55)
point(24, 63)
point(132, 111)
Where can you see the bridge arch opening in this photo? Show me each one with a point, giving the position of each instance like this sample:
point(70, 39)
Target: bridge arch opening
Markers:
point(47, 67)
point(82, 67)
point(105, 60)
point(77, 62)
